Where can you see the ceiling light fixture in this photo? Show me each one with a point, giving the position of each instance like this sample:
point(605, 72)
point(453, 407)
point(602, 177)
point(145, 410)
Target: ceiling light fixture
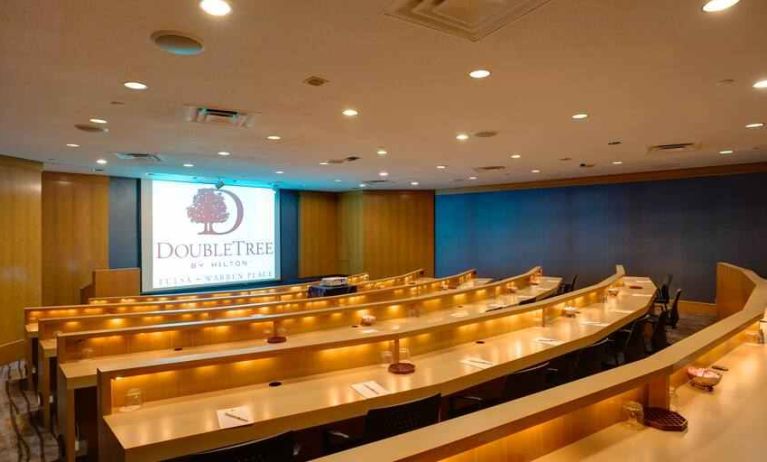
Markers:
point(414, 183)
point(73, 145)
point(479, 74)
point(135, 85)
point(323, 163)
point(350, 112)
point(224, 153)
point(462, 136)
point(712, 6)
point(761, 84)
point(274, 138)
point(472, 177)
point(98, 121)
point(726, 151)
point(188, 165)
point(363, 185)
point(216, 7)
point(535, 171)
point(337, 180)
point(383, 173)
point(441, 167)
point(580, 116)
point(515, 156)
point(101, 161)
point(617, 162)
point(755, 125)
point(279, 172)
point(382, 152)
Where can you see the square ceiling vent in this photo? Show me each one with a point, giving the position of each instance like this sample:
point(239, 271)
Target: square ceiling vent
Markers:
point(470, 19)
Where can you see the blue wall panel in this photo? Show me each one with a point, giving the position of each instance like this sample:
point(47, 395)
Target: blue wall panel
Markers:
point(683, 227)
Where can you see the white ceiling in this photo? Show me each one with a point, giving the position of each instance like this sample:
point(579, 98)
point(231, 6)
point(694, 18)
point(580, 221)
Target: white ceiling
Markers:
point(646, 71)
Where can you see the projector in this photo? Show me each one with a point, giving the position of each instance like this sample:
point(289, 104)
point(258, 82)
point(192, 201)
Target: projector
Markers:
point(334, 281)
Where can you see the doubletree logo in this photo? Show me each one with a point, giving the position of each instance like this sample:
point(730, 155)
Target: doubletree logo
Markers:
point(209, 207)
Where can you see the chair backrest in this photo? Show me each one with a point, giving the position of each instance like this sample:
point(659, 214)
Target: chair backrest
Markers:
point(635, 348)
point(571, 286)
point(389, 421)
point(525, 382)
point(590, 359)
point(665, 287)
point(674, 315)
point(275, 449)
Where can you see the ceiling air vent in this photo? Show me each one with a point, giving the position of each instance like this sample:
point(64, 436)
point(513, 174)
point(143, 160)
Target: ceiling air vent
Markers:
point(674, 147)
point(369, 182)
point(341, 161)
point(315, 81)
point(486, 134)
point(138, 156)
point(470, 19)
point(216, 116)
point(489, 168)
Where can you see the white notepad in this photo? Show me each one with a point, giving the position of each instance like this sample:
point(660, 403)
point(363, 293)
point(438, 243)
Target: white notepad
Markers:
point(549, 341)
point(477, 362)
point(370, 389)
point(234, 417)
point(594, 323)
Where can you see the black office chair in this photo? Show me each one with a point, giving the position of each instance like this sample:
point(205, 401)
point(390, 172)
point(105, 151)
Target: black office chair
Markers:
point(280, 448)
point(673, 318)
point(569, 286)
point(592, 359)
point(516, 385)
point(627, 344)
point(658, 340)
point(663, 296)
point(387, 421)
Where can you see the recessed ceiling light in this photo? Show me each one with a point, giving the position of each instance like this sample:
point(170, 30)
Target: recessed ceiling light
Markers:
point(580, 116)
point(98, 121)
point(73, 145)
point(479, 74)
point(363, 185)
point(135, 85)
point(382, 152)
point(761, 84)
point(726, 151)
point(414, 183)
point(279, 172)
point(188, 165)
point(755, 125)
point(216, 7)
point(713, 6)
point(274, 137)
point(535, 171)
point(515, 156)
point(350, 112)
point(383, 173)
point(323, 163)
point(617, 162)
point(441, 167)
point(337, 180)
point(472, 177)
point(224, 153)
point(462, 136)
point(101, 161)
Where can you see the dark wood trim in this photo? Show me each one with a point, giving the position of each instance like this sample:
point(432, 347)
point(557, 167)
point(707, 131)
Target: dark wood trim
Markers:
point(718, 170)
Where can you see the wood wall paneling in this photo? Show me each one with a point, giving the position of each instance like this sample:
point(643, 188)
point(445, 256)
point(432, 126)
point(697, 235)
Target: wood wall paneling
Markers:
point(20, 258)
point(398, 232)
point(318, 234)
point(351, 230)
point(76, 238)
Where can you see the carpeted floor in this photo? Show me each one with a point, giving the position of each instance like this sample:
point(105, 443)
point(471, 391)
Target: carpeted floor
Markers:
point(23, 439)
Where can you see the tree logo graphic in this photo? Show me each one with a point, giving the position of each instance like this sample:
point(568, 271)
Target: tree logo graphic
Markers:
point(209, 207)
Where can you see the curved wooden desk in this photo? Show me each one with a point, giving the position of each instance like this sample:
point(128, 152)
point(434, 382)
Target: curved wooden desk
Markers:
point(534, 425)
point(300, 287)
point(178, 419)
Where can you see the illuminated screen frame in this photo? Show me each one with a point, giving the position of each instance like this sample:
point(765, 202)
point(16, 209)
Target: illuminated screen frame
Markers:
point(146, 240)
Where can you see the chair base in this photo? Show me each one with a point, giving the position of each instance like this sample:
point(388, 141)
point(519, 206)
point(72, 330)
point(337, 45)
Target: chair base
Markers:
point(402, 368)
point(277, 339)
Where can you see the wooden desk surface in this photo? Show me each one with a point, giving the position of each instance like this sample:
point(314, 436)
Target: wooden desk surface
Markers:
point(181, 425)
point(728, 424)
point(79, 374)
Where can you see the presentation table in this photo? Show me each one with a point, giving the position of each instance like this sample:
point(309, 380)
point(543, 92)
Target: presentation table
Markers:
point(320, 290)
point(171, 427)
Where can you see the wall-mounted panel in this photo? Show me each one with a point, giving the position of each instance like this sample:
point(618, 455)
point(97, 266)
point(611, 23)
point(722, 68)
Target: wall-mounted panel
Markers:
point(76, 233)
point(20, 261)
point(318, 234)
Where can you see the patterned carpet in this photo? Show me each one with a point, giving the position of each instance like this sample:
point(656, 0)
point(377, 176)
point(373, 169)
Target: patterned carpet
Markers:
point(22, 437)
